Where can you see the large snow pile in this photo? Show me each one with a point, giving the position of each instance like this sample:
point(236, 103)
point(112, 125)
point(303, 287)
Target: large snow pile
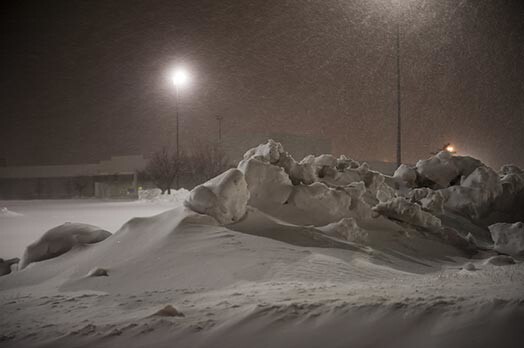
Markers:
point(324, 189)
point(60, 240)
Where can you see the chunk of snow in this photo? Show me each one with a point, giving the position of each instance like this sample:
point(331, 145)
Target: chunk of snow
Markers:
point(60, 240)
point(223, 197)
point(168, 311)
point(476, 194)
point(406, 174)
point(508, 238)
point(469, 267)
point(430, 200)
point(444, 169)
point(326, 204)
point(98, 272)
point(269, 152)
point(267, 183)
point(401, 209)
point(500, 260)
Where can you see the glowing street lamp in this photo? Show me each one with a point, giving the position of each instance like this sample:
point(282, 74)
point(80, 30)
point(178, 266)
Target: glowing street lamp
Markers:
point(450, 149)
point(399, 128)
point(180, 78)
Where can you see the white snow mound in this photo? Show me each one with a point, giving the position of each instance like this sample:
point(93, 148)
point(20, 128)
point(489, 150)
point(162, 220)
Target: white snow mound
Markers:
point(223, 197)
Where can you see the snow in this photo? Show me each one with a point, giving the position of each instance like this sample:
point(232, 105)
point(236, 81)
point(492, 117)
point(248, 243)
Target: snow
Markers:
point(508, 238)
point(223, 197)
point(401, 209)
point(278, 253)
point(4, 212)
point(406, 174)
point(155, 195)
point(60, 240)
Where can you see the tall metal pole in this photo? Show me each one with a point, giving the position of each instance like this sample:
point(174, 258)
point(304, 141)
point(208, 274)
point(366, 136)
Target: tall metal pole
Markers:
point(219, 119)
point(177, 140)
point(399, 128)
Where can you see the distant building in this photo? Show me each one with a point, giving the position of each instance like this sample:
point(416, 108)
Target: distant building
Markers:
point(116, 177)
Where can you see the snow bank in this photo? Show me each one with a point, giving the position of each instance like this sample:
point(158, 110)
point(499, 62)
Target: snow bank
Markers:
point(60, 240)
point(223, 197)
point(508, 238)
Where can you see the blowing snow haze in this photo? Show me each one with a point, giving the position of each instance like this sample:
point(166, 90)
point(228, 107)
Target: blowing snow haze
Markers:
point(84, 80)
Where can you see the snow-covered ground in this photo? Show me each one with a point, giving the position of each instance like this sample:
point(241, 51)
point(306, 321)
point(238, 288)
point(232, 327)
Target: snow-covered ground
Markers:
point(279, 253)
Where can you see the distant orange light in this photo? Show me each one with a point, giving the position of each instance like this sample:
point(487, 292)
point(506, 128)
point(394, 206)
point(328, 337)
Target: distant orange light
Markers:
point(450, 148)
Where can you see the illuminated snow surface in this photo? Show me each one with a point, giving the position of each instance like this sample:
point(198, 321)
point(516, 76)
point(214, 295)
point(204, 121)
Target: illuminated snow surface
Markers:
point(321, 252)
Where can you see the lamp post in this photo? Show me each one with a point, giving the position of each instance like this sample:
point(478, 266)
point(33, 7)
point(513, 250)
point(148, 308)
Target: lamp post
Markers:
point(399, 124)
point(179, 78)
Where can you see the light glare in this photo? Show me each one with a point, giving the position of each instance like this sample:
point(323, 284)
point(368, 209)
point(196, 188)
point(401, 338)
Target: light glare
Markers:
point(180, 77)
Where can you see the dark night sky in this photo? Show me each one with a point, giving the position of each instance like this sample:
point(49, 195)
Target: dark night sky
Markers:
point(84, 80)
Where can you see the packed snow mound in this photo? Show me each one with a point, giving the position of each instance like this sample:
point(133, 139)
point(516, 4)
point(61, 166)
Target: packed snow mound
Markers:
point(155, 195)
point(223, 197)
point(401, 209)
point(4, 212)
point(508, 238)
point(60, 240)
point(406, 174)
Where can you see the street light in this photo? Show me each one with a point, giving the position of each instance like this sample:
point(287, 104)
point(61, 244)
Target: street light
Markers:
point(180, 78)
point(399, 128)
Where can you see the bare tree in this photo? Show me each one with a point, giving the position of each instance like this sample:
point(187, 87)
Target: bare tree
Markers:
point(163, 168)
point(207, 161)
point(80, 184)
